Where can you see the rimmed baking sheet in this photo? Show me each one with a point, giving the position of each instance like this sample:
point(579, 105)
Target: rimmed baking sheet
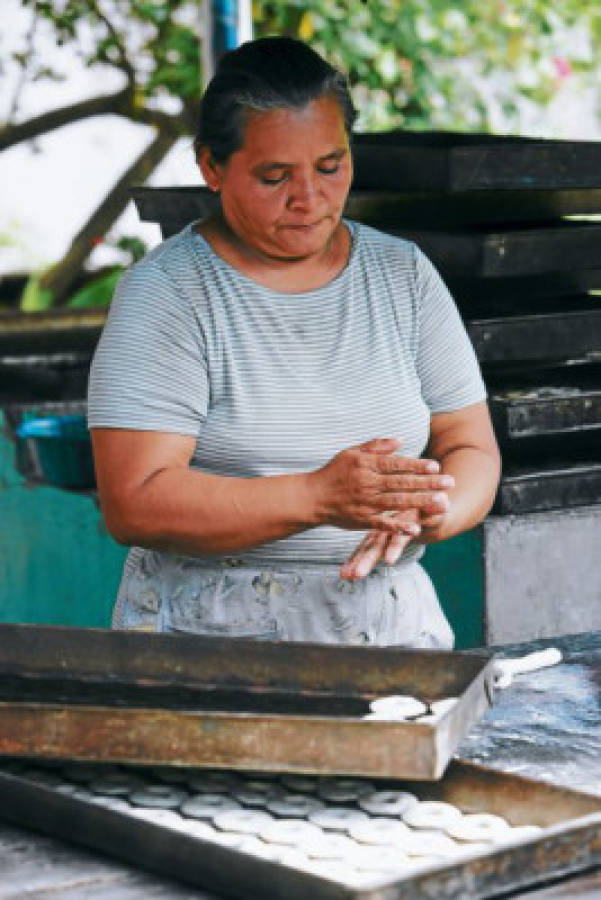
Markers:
point(230, 703)
point(570, 841)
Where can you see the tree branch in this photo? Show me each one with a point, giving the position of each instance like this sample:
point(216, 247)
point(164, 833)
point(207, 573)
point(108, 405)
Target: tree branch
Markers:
point(119, 104)
point(27, 57)
point(59, 279)
point(124, 63)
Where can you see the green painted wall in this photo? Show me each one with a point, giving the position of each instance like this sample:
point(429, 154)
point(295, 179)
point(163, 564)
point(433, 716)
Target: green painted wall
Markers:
point(456, 567)
point(58, 564)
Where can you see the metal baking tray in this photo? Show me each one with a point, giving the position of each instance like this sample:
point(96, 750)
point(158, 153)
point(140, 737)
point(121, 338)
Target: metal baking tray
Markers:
point(174, 207)
point(559, 485)
point(570, 841)
point(552, 408)
point(564, 331)
point(495, 252)
point(454, 161)
point(91, 694)
point(519, 291)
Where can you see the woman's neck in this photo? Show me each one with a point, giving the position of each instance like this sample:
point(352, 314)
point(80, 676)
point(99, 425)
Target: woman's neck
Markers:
point(292, 276)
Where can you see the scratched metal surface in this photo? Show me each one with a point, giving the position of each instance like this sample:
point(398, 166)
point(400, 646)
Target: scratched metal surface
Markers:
point(547, 725)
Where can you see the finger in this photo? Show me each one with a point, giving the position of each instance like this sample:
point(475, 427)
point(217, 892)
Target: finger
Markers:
point(413, 482)
point(394, 548)
point(381, 445)
point(365, 557)
point(366, 544)
point(409, 527)
point(394, 465)
point(430, 502)
point(432, 521)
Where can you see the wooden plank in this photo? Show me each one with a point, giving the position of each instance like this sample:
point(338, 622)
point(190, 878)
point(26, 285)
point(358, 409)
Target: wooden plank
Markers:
point(548, 486)
point(572, 246)
point(568, 334)
point(401, 160)
point(516, 292)
point(174, 207)
point(544, 411)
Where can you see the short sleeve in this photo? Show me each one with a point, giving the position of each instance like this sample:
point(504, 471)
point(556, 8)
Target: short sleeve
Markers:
point(149, 370)
point(446, 362)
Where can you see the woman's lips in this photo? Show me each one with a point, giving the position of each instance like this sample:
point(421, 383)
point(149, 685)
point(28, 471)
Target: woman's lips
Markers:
point(300, 227)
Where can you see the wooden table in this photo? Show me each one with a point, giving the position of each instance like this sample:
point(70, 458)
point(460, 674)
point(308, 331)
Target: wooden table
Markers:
point(546, 725)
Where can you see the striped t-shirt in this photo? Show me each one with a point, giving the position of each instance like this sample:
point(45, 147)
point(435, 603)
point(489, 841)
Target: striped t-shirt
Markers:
point(275, 383)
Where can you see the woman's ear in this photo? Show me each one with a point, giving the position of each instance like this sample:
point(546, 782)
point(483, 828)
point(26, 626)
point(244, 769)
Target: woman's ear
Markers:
point(209, 169)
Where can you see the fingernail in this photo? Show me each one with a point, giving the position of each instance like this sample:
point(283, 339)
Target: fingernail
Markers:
point(433, 466)
point(414, 529)
point(362, 569)
point(440, 498)
point(447, 481)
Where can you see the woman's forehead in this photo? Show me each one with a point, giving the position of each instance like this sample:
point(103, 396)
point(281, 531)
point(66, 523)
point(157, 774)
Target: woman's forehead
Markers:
point(317, 128)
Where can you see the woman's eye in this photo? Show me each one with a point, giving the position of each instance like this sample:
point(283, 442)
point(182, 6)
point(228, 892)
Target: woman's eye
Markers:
point(327, 171)
point(265, 180)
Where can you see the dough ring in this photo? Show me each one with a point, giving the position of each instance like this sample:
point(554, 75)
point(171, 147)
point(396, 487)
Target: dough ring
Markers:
point(254, 799)
point(440, 707)
point(117, 784)
point(66, 788)
point(291, 832)
point(267, 788)
point(214, 783)
point(433, 844)
point(294, 806)
point(255, 847)
point(431, 814)
point(304, 784)
point(388, 803)
point(158, 796)
point(379, 859)
point(344, 790)
point(380, 832)
point(243, 821)
point(521, 832)
point(478, 827)
point(329, 846)
point(399, 706)
point(205, 806)
point(337, 818)
point(166, 818)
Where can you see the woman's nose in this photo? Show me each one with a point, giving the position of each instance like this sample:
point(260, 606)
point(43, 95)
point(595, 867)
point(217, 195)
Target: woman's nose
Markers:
point(304, 192)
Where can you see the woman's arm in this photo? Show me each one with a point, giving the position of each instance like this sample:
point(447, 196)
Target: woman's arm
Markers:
point(150, 496)
point(464, 443)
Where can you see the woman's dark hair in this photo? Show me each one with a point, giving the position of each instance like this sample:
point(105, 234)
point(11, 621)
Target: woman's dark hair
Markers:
point(268, 73)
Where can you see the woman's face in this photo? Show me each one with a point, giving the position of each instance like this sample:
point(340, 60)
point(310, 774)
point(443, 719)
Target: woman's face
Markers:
point(283, 192)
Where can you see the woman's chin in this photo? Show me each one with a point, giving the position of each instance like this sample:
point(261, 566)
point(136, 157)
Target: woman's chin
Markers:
point(295, 243)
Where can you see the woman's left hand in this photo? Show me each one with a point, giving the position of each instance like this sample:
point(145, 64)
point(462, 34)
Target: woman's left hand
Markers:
point(377, 546)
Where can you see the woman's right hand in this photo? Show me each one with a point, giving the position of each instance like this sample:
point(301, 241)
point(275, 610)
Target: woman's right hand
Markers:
point(367, 486)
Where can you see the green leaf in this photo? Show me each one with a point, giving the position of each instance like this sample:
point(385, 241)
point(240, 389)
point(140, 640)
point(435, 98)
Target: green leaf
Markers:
point(98, 293)
point(35, 298)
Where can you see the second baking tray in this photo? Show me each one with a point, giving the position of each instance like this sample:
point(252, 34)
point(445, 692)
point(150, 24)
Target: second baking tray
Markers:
point(232, 703)
point(170, 843)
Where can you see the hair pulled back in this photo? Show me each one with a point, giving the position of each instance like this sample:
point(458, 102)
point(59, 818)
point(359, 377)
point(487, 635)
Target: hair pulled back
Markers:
point(261, 75)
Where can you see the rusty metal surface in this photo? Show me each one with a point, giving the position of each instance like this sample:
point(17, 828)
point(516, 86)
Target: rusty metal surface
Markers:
point(99, 695)
point(570, 841)
point(547, 725)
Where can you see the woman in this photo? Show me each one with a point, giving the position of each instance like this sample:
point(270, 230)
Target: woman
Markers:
point(267, 382)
